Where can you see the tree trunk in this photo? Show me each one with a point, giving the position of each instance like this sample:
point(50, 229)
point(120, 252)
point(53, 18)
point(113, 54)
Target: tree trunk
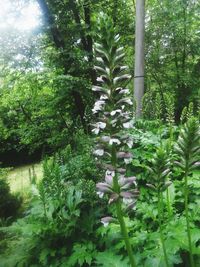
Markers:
point(139, 56)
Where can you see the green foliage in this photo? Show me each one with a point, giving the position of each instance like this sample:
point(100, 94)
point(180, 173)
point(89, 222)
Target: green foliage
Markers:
point(173, 58)
point(160, 170)
point(9, 203)
point(158, 107)
point(82, 254)
point(106, 259)
point(169, 107)
point(188, 146)
point(187, 113)
point(45, 104)
point(62, 217)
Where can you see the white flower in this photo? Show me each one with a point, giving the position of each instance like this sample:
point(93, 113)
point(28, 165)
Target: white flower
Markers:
point(99, 152)
point(114, 122)
point(100, 194)
point(129, 142)
point(124, 91)
point(126, 100)
point(105, 224)
point(106, 220)
point(100, 59)
point(105, 138)
point(112, 113)
point(129, 102)
point(127, 161)
point(98, 126)
point(128, 124)
point(95, 130)
point(99, 79)
point(114, 141)
point(101, 125)
point(35, 190)
point(127, 201)
point(104, 97)
point(110, 173)
point(98, 106)
point(123, 68)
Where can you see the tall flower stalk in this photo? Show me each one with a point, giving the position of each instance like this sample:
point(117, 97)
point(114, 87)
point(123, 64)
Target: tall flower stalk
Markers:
point(169, 102)
point(160, 172)
point(188, 150)
point(113, 110)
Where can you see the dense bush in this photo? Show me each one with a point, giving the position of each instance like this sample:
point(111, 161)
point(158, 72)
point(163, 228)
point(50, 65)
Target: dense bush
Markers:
point(9, 203)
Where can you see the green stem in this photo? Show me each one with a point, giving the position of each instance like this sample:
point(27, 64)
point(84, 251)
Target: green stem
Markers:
point(171, 138)
point(168, 203)
point(187, 219)
point(125, 233)
point(171, 134)
point(120, 216)
point(160, 215)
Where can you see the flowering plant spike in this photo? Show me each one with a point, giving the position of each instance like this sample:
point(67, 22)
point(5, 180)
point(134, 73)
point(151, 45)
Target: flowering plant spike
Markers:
point(113, 110)
point(188, 152)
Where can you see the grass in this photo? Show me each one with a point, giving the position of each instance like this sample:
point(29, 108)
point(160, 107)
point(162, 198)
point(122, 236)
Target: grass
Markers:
point(19, 178)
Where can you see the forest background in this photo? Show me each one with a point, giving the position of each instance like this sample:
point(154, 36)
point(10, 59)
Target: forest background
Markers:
point(47, 73)
point(46, 101)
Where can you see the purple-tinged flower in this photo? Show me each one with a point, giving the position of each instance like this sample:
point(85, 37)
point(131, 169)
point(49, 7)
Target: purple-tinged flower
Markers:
point(115, 112)
point(113, 197)
point(130, 204)
point(109, 178)
point(106, 220)
point(121, 170)
point(126, 182)
point(126, 194)
point(115, 116)
point(124, 155)
point(110, 173)
point(104, 187)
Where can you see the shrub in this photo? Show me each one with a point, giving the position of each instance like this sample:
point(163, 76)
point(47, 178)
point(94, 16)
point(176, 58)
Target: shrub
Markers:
point(9, 203)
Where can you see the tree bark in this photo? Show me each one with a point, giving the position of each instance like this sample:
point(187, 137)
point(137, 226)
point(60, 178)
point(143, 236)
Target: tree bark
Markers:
point(139, 56)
